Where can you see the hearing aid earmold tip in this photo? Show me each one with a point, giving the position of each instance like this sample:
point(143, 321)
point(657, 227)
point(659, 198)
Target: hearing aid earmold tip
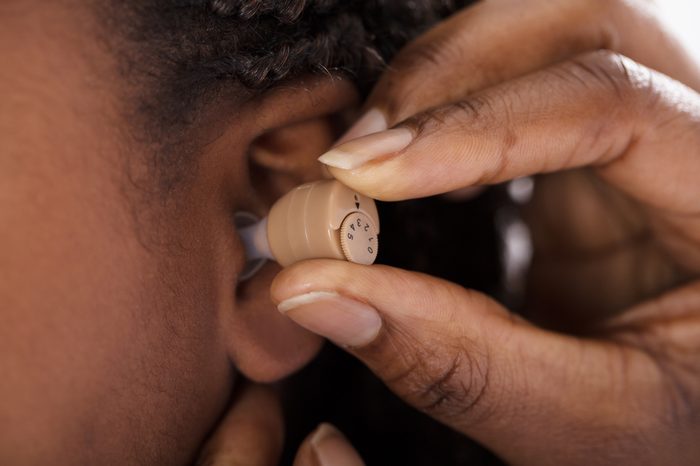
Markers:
point(249, 226)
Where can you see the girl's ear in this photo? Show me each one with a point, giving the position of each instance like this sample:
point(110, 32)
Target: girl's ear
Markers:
point(293, 127)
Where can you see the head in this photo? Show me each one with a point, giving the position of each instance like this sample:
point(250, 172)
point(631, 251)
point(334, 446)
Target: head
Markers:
point(131, 133)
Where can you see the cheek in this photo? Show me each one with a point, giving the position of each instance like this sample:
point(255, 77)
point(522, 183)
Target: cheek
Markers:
point(172, 357)
point(112, 341)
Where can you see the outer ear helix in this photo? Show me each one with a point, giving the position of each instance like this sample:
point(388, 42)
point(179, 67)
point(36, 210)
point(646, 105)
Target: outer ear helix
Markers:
point(322, 219)
point(285, 157)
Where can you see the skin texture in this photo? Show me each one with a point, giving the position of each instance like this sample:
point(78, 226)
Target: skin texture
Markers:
point(600, 102)
point(251, 433)
point(83, 233)
point(123, 330)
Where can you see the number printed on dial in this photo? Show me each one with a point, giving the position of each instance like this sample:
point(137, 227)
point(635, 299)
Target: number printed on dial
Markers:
point(358, 239)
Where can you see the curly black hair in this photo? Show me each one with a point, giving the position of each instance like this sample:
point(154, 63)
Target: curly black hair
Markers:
point(259, 43)
point(177, 55)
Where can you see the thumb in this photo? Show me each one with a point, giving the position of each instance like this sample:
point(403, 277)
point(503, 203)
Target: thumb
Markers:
point(463, 359)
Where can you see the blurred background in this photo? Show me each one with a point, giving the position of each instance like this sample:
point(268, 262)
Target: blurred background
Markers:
point(684, 15)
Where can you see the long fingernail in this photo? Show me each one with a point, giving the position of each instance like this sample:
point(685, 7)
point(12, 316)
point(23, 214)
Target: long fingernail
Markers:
point(371, 122)
point(342, 320)
point(357, 152)
point(332, 448)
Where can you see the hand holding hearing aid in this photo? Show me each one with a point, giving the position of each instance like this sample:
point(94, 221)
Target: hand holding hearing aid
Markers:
point(607, 369)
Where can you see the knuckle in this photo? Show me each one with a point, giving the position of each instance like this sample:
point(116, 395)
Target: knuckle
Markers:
point(616, 91)
point(620, 78)
point(477, 113)
point(448, 383)
point(491, 114)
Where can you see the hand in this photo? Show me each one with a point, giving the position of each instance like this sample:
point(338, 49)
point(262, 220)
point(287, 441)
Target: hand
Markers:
point(252, 434)
point(509, 89)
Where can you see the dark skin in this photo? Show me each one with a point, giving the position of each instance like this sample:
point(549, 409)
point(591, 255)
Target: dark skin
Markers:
point(121, 329)
point(124, 333)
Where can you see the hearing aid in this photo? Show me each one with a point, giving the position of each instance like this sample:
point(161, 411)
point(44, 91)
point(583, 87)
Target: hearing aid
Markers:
point(322, 219)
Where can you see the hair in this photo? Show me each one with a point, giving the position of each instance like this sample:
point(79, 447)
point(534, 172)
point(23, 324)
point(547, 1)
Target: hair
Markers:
point(178, 55)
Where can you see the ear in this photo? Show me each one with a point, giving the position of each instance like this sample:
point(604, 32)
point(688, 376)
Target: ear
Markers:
point(285, 155)
point(294, 126)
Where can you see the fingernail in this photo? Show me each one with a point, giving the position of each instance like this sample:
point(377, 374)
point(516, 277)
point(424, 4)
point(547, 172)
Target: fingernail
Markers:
point(371, 122)
point(332, 448)
point(357, 152)
point(342, 320)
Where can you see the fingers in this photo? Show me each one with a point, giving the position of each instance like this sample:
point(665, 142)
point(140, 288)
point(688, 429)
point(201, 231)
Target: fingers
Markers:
point(461, 358)
point(495, 41)
point(251, 434)
point(327, 446)
point(639, 128)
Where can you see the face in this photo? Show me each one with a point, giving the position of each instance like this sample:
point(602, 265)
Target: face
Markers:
point(123, 326)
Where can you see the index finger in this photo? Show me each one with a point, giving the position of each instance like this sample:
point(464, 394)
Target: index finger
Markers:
point(636, 126)
point(498, 40)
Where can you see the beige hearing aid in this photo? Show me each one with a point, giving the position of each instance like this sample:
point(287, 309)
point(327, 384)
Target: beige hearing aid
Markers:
point(323, 219)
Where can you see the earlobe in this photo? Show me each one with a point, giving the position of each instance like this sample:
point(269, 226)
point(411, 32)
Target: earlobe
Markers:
point(263, 344)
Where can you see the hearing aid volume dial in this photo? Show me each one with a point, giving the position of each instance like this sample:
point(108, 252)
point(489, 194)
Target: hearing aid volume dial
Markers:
point(323, 219)
point(358, 238)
